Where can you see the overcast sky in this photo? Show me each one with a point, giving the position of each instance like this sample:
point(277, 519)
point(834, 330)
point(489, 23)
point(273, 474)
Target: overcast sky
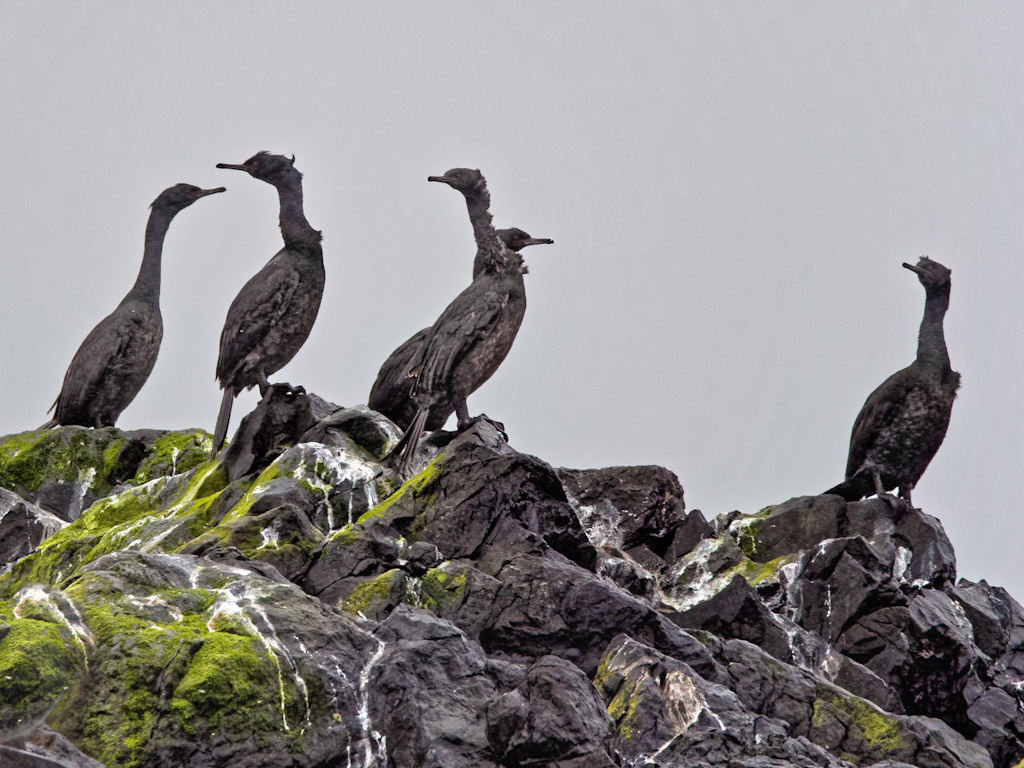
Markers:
point(732, 188)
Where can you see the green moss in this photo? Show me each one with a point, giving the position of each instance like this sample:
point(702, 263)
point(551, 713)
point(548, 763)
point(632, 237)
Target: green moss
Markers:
point(864, 722)
point(38, 661)
point(241, 509)
point(373, 593)
point(345, 535)
point(175, 453)
point(230, 677)
point(441, 587)
point(421, 486)
point(756, 573)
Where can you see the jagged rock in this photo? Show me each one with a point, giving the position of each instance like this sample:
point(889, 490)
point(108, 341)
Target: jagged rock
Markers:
point(428, 694)
point(277, 423)
point(44, 748)
point(453, 619)
point(736, 612)
point(477, 495)
point(990, 611)
point(23, 526)
point(546, 606)
point(553, 718)
point(794, 526)
point(629, 506)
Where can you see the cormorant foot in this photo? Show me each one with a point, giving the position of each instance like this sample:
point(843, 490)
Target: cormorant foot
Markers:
point(899, 506)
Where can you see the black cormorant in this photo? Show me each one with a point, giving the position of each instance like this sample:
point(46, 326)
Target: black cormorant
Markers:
point(391, 393)
point(473, 335)
point(272, 315)
point(904, 421)
point(117, 356)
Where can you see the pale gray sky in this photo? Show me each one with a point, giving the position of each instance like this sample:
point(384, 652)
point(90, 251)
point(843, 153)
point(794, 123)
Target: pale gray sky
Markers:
point(732, 188)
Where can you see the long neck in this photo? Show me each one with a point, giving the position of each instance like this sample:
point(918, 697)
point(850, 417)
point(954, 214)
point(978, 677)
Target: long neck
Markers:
point(931, 342)
point(147, 284)
point(295, 230)
point(490, 251)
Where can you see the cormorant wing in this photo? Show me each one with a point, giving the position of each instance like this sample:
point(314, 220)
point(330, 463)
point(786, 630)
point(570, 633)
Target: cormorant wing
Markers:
point(882, 406)
point(257, 308)
point(467, 320)
point(114, 344)
point(394, 374)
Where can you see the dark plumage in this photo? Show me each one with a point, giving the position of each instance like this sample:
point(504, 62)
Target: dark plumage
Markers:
point(904, 421)
point(117, 356)
point(391, 393)
point(473, 335)
point(271, 317)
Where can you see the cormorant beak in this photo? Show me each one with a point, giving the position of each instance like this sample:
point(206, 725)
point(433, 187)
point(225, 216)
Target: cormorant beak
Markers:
point(231, 167)
point(537, 241)
point(912, 268)
point(444, 179)
point(205, 192)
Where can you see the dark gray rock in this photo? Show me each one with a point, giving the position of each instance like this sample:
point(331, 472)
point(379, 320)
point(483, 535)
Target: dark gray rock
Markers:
point(736, 612)
point(23, 526)
point(546, 606)
point(553, 717)
point(990, 611)
point(793, 526)
point(627, 506)
point(277, 423)
point(429, 693)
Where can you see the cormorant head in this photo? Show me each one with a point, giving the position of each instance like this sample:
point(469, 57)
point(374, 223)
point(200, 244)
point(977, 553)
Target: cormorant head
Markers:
point(264, 166)
point(465, 180)
point(181, 196)
point(516, 239)
point(933, 276)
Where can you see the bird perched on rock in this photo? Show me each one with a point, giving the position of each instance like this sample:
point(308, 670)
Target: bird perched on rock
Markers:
point(473, 335)
point(271, 317)
point(117, 356)
point(391, 393)
point(904, 421)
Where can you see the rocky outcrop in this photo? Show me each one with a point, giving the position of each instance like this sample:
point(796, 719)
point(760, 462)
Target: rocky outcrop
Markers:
point(292, 602)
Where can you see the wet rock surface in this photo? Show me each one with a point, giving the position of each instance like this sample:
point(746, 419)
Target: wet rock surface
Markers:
point(292, 602)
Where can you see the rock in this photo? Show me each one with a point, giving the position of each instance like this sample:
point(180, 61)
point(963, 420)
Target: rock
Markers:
point(554, 717)
point(277, 423)
point(428, 693)
point(23, 526)
point(736, 612)
point(794, 526)
point(625, 507)
point(44, 748)
point(65, 470)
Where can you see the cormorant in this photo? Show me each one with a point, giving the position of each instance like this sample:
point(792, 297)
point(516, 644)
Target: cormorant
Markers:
point(391, 393)
point(272, 315)
point(117, 356)
point(473, 335)
point(904, 421)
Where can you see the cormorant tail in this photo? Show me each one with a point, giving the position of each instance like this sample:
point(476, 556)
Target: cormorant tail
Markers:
point(854, 488)
point(223, 417)
point(406, 448)
point(51, 424)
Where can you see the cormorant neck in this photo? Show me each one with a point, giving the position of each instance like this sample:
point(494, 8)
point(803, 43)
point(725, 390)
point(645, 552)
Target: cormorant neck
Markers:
point(931, 342)
point(295, 230)
point(491, 253)
point(147, 284)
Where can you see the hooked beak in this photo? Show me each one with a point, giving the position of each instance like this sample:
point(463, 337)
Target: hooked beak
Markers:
point(233, 167)
point(205, 192)
point(538, 241)
point(912, 268)
point(444, 179)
